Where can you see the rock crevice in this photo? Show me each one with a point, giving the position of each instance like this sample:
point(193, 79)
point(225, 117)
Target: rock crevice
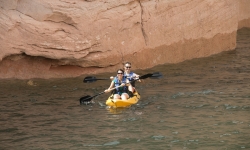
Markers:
point(142, 24)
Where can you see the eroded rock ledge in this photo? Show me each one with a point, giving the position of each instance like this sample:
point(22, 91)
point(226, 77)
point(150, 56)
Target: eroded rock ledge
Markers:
point(68, 38)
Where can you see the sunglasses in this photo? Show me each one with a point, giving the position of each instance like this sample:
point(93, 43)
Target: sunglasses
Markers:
point(128, 66)
point(119, 73)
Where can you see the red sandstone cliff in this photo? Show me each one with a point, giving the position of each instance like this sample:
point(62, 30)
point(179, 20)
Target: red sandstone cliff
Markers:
point(67, 38)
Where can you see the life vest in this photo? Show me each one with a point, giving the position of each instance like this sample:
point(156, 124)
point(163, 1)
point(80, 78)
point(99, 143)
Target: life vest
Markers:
point(120, 90)
point(131, 79)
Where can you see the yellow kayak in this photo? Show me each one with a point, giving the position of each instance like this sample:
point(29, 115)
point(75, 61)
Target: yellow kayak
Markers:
point(123, 103)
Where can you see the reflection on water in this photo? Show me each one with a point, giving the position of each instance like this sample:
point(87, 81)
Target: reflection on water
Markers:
point(199, 104)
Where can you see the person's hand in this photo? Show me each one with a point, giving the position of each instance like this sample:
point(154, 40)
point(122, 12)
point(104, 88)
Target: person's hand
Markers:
point(111, 78)
point(137, 78)
point(107, 90)
point(123, 84)
point(127, 83)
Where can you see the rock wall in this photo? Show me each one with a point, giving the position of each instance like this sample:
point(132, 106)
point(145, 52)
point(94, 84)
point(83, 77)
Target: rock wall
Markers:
point(68, 38)
point(244, 14)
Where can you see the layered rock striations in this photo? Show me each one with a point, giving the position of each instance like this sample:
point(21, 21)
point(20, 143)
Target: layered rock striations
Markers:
point(68, 38)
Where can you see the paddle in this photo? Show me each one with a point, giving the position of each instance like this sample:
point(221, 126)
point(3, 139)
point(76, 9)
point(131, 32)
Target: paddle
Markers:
point(155, 75)
point(87, 99)
point(89, 79)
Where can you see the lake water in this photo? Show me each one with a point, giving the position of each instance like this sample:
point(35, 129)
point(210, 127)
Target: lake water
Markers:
point(198, 104)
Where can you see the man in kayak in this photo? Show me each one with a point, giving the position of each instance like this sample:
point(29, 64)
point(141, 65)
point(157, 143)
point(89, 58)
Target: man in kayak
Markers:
point(131, 76)
point(121, 84)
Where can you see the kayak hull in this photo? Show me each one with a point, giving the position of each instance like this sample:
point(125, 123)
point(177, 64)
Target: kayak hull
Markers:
point(123, 103)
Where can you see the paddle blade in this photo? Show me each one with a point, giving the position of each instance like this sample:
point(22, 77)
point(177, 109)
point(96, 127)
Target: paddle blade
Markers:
point(85, 100)
point(145, 76)
point(89, 79)
point(156, 75)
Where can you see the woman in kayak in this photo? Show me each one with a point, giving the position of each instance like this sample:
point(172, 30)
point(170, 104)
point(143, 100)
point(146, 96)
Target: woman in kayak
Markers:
point(122, 85)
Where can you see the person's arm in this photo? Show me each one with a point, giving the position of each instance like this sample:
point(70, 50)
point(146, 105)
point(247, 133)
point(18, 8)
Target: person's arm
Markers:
point(136, 77)
point(130, 87)
point(127, 82)
point(110, 87)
